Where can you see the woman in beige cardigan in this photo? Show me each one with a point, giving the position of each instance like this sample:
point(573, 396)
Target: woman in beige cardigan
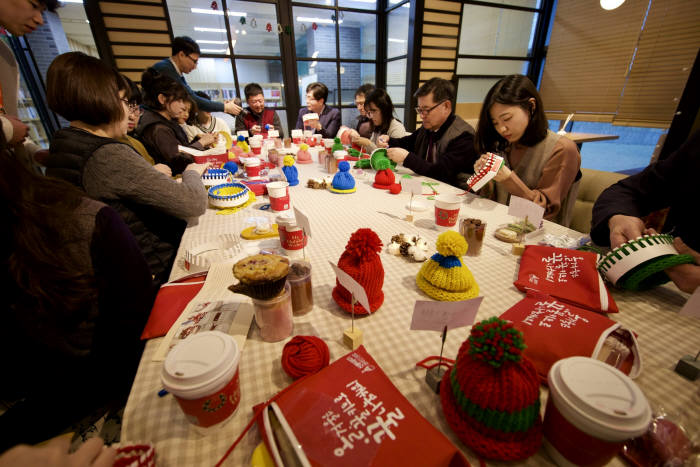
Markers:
point(540, 165)
point(380, 110)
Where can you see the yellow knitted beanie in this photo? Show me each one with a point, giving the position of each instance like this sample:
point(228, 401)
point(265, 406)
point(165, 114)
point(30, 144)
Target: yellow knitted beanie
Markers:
point(444, 277)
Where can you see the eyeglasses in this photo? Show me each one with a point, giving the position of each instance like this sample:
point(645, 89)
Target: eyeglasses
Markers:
point(420, 111)
point(134, 108)
point(369, 113)
point(359, 103)
point(256, 101)
point(194, 60)
point(126, 101)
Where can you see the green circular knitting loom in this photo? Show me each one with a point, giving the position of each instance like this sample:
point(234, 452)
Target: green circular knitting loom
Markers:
point(639, 264)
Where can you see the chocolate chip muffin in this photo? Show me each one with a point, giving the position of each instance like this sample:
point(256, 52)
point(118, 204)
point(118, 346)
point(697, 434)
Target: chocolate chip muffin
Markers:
point(261, 276)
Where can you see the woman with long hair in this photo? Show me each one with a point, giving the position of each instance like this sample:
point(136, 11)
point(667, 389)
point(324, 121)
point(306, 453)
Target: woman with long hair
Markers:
point(380, 111)
point(540, 165)
point(93, 98)
point(78, 293)
point(167, 105)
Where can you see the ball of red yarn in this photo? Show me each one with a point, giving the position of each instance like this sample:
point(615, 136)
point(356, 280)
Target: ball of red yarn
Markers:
point(304, 355)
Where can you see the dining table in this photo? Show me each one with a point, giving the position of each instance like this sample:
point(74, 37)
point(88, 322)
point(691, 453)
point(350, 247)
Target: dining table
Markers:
point(664, 335)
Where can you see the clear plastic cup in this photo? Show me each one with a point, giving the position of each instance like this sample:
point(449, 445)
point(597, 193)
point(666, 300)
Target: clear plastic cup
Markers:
point(299, 279)
point(274, 316)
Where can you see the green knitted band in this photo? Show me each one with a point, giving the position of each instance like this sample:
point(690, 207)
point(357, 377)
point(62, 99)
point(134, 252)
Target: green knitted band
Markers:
point(651, 273)
point(507, 422)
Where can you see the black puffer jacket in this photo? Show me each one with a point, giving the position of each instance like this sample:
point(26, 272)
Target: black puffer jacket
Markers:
point(157, 233)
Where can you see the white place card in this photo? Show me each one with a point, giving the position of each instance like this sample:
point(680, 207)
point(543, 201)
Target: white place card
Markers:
point(273, 134)
point(692, 306)
point(412, 185)
point(522, 208)
point(434, 316)
point(302, 221)
point(243, 133)
point(352, 285)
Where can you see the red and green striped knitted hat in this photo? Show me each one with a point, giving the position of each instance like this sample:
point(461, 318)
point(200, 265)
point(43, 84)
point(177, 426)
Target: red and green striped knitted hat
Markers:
point(491, 397)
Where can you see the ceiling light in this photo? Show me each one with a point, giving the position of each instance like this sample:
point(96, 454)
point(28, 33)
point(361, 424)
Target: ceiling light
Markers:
point(196, 28)
point(391, 39)
point(71, 1)
point(611, 4)
point(209, 11)
point(244, 32)
point(202, 41)
point(214, 51)
point(315, 54)
point(313, 64)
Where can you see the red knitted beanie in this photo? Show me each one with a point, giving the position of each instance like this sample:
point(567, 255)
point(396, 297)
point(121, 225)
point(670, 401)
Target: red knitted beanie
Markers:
point(361, 260)
point(384, 179)
point(491, 397)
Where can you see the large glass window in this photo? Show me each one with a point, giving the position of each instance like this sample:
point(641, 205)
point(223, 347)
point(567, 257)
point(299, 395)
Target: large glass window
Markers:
point(314, 32)
point(397, 32)
point(494, 41)
point(253, 38)
point(338, 48)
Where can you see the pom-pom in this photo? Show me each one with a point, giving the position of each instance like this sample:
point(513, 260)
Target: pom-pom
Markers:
point(304, 147)
point(496, 342)
point(422, 243)
point(394, 249)
point(404, 248)
point(288, 161)
point(451, 243)
point(240, 138)
point(363, 243)
point(267, 126)
point(336, 140)
point(395, 189)
point(418, 254)
point(397, 238)
point(344, 166)
point(231, 167)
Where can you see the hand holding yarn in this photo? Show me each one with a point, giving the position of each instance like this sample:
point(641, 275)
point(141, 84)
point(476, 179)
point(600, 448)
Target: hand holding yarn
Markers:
point(383, 141)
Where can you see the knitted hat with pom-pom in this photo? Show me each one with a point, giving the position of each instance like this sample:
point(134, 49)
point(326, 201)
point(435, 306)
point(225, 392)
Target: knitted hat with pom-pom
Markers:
point(384, 178)
point(491, 396)
point(343, 181)
point(444, 277)
point(361, 261)
point(290, 172)
point(303, 156)
point(337, 145)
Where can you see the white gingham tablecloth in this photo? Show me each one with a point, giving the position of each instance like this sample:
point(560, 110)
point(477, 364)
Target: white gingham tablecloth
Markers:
point(664, 336)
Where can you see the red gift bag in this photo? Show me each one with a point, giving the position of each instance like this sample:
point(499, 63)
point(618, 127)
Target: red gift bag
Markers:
point(350, 414)
point(171, 300)
point(569, 275)
point(554, 330)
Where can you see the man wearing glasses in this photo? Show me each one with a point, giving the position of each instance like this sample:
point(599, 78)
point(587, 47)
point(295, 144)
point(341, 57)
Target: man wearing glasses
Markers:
point(444, 145)
point(184, 60)
point(258, 119)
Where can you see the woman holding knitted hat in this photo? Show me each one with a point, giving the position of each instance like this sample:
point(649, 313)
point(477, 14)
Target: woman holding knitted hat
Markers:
point(539, 164)
point(380, 111)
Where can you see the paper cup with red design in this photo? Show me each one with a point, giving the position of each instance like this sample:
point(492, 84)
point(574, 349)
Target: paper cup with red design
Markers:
point(592, 409)
point(256, 145)
point(252, 167)
point(202, 373)
point(447, 211)
point(291, 235)
point(297, 135)
point(328, 144)
point(279, 196)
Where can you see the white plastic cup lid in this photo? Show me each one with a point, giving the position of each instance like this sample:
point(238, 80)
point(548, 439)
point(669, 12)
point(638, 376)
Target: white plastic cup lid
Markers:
point(448, 201)
point(200, 365)
point(252, 162)
point(599, 399)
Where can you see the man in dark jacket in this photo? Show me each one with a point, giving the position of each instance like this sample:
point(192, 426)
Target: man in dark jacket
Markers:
point(670, 183)
point(184, 59)
point(444, 145)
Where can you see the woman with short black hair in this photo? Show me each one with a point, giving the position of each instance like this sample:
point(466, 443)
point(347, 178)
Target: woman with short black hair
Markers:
point(160, 132)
